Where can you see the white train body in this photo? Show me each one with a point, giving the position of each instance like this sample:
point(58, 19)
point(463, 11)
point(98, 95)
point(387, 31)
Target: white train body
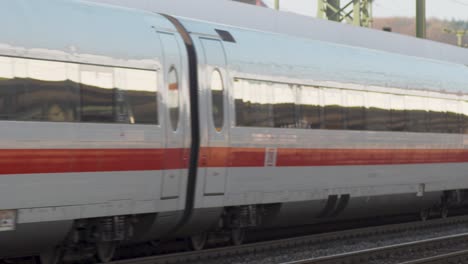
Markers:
point(107, 111)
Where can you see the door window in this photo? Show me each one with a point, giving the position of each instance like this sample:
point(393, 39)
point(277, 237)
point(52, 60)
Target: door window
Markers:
point(217, 100)
point(173, 98)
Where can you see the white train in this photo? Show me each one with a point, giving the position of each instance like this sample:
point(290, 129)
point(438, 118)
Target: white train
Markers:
point(124, 125)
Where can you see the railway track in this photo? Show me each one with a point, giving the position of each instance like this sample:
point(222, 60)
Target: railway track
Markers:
point(449, 258)
point(407, 253)
point(361, 256)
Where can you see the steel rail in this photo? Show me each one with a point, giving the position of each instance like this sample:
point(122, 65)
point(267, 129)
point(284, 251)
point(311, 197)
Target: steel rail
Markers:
point(219, 253)
point(449, 258)
point(388, 252)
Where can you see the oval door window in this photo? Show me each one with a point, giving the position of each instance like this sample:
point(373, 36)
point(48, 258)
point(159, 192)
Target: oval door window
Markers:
point(217, 100)
point(173, 98)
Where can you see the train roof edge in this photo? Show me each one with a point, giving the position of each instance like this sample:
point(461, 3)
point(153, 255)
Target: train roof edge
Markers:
point(264, 19)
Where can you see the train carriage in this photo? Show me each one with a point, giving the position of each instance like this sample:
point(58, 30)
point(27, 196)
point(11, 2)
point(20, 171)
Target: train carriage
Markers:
point(121, 125)
point(84, 112)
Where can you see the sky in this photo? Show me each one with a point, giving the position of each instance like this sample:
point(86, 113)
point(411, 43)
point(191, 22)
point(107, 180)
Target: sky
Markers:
point(444, 9)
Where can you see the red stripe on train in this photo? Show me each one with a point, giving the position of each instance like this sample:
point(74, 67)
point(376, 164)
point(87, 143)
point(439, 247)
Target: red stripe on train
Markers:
point(25, 161)
point(254, 157)
point(353, 157)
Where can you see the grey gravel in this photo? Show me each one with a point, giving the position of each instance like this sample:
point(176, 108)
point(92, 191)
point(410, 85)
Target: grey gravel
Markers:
point(338, 247)
point(417, 255)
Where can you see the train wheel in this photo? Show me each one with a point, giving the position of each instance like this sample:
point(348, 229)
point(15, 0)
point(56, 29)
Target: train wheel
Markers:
point(105, 251)
point(198, 242)
point(237, 236)
point(52, 256)
point(444, 212)
point(424, 214)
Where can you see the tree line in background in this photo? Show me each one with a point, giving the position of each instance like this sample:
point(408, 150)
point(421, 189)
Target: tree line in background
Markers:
point(435, 28)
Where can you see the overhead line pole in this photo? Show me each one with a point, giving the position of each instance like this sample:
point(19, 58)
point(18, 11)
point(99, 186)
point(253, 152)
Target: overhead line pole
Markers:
point(421, 18)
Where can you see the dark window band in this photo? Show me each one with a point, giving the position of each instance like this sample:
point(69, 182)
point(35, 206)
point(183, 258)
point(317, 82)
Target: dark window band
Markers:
point(52, 91)
point(269, 104)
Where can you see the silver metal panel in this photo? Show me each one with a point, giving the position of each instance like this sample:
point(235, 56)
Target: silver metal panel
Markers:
point(284, 185)
point(25, 23)
point(278, 58)
point(86, 33)
point(94, 34)
point(304, 60)
point(215, 60)
point(170, 187)
point(28, 191)
point(263, 19)
point(333, 139)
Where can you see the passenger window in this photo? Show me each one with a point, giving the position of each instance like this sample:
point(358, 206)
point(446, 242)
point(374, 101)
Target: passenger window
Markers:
point(453, 118)
point(333, 111)
point(217, 100)
point(465, 117)
point(262, 98)
point(136, 96)
point(41, 90)
point(253, 100)
point(398, 113)
point(377, 113)
point(173, 98)
point(437, 115)
point(309, 107)
point(355, 110)
point(270, 104)
point(284, 110)
point(37, 90)
point(416, 113)
point(241, 103)
point(97, 94)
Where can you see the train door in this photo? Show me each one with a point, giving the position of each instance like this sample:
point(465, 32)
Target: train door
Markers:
point(174, 127)
point(216, 124)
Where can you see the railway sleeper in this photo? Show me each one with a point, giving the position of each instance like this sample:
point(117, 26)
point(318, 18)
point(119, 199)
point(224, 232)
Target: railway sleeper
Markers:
point(216, 238)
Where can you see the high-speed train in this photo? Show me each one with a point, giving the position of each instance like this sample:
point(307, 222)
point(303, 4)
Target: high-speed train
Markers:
point(122, 125)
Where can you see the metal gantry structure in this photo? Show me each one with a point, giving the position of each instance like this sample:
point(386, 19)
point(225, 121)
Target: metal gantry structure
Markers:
point(356, 12)
point(460, 35)
point(359, 13)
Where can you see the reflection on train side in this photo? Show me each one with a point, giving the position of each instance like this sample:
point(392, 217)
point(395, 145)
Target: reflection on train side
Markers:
point(39, 90)
point(269, 104)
